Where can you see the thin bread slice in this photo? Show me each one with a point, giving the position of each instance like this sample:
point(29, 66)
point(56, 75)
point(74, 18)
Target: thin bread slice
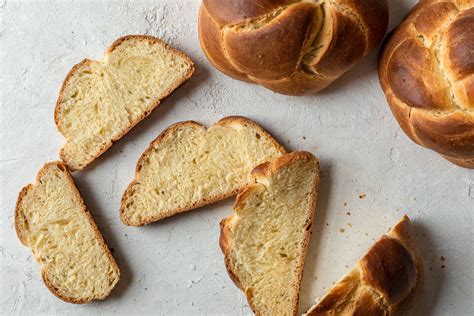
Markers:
point(188, 166)
point(265, 241)
point(384, 282)
point(52, 220)
point(100, 101)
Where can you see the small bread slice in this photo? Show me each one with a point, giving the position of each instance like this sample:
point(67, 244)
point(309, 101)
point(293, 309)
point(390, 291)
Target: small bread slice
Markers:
point(52, 220)
point(188, 166)
point(384, 282)
point(265, 241)
point(100, 101)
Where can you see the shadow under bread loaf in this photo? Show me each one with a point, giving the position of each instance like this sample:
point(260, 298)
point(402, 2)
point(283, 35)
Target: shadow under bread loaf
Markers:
point(291, 47)
point(426, 68)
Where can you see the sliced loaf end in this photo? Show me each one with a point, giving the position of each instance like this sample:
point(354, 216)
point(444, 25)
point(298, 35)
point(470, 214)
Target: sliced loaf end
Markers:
point(52, 220)
point(100, 101)
point(265, 241)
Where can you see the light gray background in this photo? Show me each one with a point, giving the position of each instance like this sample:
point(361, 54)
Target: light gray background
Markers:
point(175, 267)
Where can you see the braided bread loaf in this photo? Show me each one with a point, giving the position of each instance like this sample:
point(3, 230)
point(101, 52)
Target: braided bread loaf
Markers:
point(290, 46)
point(384, 282)
point(426, 69)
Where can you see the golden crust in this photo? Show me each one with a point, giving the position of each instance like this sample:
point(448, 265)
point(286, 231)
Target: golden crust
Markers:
point(224, 121)
point(20, 222)
point(385, 281)
point(109, 50)
point(268, 42)
point(427, 74)
point(262, 172)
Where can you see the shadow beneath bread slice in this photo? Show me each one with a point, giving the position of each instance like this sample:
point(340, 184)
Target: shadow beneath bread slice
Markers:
point(104, 224)
point(434, 268)
point(306, 297)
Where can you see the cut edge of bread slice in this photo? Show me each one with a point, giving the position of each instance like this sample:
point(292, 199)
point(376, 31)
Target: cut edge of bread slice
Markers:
point(261, 176)
point(385, 281)
point(22, 226)
point(237, 121)
point(132, 124)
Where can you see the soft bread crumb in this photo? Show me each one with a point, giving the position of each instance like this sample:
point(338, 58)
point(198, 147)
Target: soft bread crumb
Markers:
point(188, 166)
point(100, 101)
point(52, 220)
point(265, 241)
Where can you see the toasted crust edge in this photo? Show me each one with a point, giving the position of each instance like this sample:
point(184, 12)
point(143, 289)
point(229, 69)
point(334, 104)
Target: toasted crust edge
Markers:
point(19, 215)
point(265, 170)
point(168, 131)
point(109, 50)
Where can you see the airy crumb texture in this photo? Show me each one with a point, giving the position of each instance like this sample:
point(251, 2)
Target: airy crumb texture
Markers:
point(384, 282)
point(189, 166)
point(100, 101)
point(52, 220)
point(265, 241)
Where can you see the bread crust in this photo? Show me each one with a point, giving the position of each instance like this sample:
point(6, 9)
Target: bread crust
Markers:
point(230, 120)
point(427, 74)
point(109, 50)
point(20, 222)
point(385, 281)
point(266, 41)
point(264, 171)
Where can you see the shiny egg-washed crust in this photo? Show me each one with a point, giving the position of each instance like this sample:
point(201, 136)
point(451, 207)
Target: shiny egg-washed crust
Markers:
point(426, 69)
point(264, 171)
point(229, 120)
point(20, 222)
point(384, 282)
point(289, 46)
point(112, 47)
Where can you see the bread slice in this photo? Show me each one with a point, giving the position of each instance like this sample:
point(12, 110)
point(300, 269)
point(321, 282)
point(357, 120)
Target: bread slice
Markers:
point(188, 166)
point(52, 220)
point(384, 282)
point(265, 241)
point(100, 101)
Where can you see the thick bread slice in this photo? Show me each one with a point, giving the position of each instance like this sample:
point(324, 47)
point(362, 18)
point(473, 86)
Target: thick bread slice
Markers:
point(384, 282)
point(188, 166)
point(265, 241)
point(51, 219)
point(100, 101)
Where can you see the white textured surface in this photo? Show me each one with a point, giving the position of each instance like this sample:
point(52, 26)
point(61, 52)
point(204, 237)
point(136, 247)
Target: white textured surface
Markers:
point(175, 267)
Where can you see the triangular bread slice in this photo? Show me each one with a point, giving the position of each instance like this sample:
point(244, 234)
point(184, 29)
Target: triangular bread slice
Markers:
point(52, 220)
point(100, 101)
point(384, 282)
point(265, 241)
point(188, 166)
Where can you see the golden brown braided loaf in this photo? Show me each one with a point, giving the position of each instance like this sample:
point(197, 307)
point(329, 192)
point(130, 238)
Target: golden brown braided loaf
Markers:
point(290, 46)
point(426, 69)
point(384, 281)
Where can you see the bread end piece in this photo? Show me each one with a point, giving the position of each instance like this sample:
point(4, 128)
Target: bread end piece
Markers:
point(268, 179)
point(384, 282)
point(46, 215)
